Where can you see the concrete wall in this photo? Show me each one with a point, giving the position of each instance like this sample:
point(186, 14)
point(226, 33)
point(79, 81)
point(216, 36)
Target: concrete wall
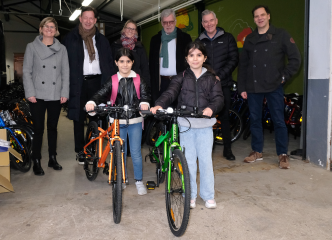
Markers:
point(319, 84)
point(16, 42)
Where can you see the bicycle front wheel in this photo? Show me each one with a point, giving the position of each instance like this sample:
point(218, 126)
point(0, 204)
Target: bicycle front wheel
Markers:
point(178, 196)
point(117, 182)
point(91, 170)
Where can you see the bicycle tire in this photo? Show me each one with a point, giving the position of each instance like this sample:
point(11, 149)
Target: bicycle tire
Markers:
point(236, 127)
point(117, 184)
point(153, 131)
point(27, 134)
point(177, 200)
point(25, 152)
point(91, 170)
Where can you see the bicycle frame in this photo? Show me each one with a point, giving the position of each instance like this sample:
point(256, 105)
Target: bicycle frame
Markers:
point(112, 134)
point(169, 139)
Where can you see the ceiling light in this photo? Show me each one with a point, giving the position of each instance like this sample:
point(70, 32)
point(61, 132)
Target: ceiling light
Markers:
point(86, 2)
point(75, 14)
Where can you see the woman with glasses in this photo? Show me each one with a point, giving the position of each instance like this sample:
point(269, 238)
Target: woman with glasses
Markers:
point(128, 40)
point(46, 86)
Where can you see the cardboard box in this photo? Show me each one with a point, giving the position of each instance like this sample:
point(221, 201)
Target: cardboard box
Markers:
point(5, 185)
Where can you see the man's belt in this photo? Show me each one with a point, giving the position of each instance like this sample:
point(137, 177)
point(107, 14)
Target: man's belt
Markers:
point(89, 77)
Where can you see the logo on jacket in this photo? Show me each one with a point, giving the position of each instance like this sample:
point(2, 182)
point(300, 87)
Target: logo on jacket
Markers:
point(220, 42)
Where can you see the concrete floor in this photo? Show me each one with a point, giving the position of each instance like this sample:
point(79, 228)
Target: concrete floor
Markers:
point(255, 201)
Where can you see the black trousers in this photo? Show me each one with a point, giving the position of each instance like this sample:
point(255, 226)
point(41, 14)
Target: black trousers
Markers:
point(89, 88)
point(38, 110)
point(223, 116)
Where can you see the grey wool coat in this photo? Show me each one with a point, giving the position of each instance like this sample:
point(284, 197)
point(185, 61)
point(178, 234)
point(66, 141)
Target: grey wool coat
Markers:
point(46, 70)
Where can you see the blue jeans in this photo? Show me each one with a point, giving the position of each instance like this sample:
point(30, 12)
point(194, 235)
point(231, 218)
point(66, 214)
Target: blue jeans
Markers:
point(275, 101)
point(198, 143)
point(135, 137)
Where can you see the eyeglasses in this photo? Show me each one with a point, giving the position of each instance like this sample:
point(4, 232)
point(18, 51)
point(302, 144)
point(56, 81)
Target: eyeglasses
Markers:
point(131, 29)
point(169, 23)
point(49, 27)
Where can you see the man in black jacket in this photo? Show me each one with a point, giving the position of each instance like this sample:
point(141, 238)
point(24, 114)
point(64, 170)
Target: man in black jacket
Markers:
point(223, 57)
point(91, 65)
point(166, 58)
point(262, 73)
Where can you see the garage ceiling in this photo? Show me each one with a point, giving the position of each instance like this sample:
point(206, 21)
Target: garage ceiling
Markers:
point(109, 12)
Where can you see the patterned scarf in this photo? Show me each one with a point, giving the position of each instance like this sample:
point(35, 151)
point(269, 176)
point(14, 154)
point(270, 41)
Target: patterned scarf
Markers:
point(87, 36)
point(128, 42)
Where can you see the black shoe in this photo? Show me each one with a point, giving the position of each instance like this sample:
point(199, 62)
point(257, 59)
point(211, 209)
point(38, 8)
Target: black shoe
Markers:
point(37, 169)
point(228, 154)
point(54, 164)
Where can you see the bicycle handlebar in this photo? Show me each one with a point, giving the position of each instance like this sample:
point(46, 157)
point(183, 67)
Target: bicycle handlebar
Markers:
point(176, 112)
point(108, 109)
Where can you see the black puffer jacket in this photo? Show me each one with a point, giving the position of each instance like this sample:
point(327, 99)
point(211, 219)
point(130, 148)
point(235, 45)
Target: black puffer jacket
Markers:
point(126, 94)
point(223, 54)
point(202, 92)
point(141, 62)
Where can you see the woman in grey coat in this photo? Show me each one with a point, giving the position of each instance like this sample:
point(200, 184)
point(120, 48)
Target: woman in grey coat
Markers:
point(46, 86)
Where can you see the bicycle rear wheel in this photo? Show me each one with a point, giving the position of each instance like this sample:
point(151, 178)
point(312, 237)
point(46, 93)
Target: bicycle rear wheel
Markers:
point(91, 168)
point(117, 182)
point(236, 127)
point(25, 165)
point(178, 198)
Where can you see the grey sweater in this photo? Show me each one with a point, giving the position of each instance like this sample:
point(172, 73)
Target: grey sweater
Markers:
point(46, 70)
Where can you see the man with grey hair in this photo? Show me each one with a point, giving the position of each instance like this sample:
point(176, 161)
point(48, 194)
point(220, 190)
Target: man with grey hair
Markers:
point(223, 57)
point(166, 58)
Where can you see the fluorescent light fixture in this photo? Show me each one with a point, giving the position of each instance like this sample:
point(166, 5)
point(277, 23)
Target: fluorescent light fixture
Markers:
point(75, 14)
point(86, 2)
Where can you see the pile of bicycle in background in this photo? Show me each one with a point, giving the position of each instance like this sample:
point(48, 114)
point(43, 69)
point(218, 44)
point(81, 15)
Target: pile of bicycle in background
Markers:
point(15, 117)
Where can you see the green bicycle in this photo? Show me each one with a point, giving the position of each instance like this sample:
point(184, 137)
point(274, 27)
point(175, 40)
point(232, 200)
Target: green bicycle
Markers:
point(171, 163)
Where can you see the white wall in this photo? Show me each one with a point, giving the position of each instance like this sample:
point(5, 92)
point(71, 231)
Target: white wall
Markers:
point(17, 42)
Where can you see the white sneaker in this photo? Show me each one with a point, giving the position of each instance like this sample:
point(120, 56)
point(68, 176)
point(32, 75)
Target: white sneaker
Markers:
point(211, 203)
point(141, 189)
point(123, 186)
point(192, 203)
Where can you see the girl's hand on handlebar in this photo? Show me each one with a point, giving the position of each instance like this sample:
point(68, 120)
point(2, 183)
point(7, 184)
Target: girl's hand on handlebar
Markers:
point(144, 107)
point(207, 112)
point(89, 107)
point(154, 109)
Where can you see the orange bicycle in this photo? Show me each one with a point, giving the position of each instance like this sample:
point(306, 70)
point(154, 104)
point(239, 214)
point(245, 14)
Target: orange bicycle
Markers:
point(95, 155)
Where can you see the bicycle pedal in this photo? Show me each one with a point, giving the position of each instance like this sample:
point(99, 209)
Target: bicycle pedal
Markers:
point(152, 160)
point(151, 185)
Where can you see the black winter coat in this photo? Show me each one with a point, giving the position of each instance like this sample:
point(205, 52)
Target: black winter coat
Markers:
point(182, 40)
point(74, 44)
point(126, 94)
point(141, 63)
point(222, 54)
point(191, 92)
point(262, 61)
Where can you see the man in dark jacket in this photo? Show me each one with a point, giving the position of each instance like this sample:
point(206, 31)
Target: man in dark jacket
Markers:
point(91, 65)
point(223, 57)
point(166, 53)
point(262, 73)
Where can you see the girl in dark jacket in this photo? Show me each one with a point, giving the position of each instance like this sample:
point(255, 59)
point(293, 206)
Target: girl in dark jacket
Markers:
point(196, 87)
point(128, 40)
point(127, 95)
